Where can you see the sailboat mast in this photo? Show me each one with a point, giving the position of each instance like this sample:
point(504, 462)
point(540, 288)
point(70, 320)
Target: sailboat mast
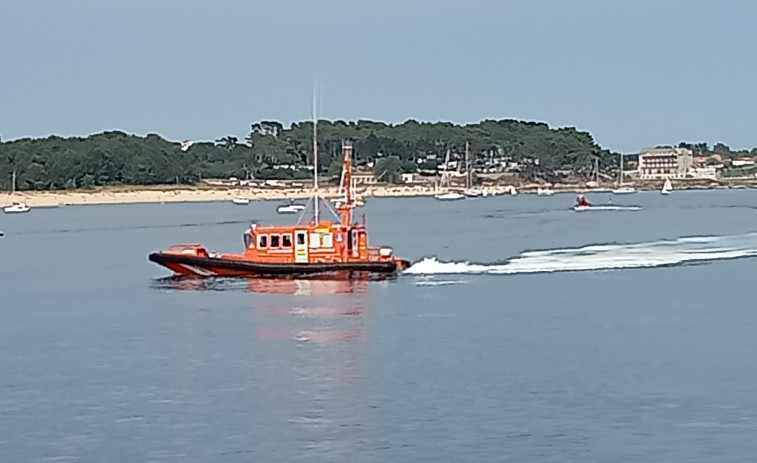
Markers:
point(596, 171)
point(315, 163)
point(467, 167)
point(13, 187)
point(620, 179)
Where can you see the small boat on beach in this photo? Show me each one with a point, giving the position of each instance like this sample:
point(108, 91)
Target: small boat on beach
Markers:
point(544, 192)
point(311, 247)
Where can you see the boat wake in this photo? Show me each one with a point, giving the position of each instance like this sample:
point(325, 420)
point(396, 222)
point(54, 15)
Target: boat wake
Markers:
point(665, 253)
point(605, 208)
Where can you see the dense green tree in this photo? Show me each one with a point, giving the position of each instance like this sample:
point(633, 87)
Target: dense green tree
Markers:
point(274, 151)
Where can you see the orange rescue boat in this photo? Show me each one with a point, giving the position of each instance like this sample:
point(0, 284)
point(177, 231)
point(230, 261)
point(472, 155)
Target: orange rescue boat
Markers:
point(311, 247)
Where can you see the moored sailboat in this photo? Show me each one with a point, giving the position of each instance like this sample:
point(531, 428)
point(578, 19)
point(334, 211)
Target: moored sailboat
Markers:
point(620, 189)
point(441, 191)
point(17, 206)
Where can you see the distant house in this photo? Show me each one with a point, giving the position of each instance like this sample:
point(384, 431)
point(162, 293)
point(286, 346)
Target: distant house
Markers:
point(702, 160)
point(741, 162)
point(407, 178)
point(267, 128)
point(660, 163)
point(365, 177)
point(704, 172)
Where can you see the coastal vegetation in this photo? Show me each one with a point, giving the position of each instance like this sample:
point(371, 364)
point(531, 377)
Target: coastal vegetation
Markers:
point(530, 150)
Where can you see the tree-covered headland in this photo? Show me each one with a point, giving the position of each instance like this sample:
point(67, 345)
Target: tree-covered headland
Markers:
point(531, 150)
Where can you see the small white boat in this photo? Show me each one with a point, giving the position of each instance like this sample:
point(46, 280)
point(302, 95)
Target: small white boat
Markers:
point(356, 202)
point(292, 208)
point(451, 196)
point(624, 190)
point(473, 193)
point(241, 201)
point(16, 208)
point(513, 192)
point(667, 188)
point(544, 192)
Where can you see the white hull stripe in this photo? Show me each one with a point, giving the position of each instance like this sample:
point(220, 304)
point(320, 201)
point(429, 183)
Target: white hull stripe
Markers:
point(198, 270)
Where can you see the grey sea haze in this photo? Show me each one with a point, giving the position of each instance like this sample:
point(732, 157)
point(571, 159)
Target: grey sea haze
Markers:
point(647, 354)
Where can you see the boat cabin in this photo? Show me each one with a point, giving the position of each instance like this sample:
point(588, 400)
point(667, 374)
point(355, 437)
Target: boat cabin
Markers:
point(323, 243)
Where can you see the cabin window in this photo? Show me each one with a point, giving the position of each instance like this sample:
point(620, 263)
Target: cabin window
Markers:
point(327, 240)
point(315, 240)
point(300, 238)
point(286, 241)
point(275, 241)
point(262, 241)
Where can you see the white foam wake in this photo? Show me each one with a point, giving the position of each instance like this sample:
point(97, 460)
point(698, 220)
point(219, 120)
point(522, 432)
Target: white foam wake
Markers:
point(604, 257)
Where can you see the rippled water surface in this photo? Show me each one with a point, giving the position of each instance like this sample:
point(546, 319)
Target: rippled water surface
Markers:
point(524, 332)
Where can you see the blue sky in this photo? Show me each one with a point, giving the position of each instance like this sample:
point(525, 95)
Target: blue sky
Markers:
point(633, 73)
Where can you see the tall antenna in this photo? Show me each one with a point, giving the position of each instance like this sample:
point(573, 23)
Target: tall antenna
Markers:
point(315, 157)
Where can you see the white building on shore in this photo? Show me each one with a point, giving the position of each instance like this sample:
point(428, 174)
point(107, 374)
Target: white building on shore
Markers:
point(662, 163)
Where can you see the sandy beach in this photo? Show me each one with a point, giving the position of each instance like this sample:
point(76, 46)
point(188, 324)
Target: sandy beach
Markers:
point(186, 193)
point(164, 194)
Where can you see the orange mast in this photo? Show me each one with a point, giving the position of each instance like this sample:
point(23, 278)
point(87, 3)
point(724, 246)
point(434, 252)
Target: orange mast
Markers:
point(345, 209)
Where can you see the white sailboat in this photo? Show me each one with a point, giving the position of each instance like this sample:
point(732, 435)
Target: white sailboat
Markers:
point(17, 206)
point(469, 191)
point(667, 188)
point(622, 190)
point(441, 193)
point(595, 185)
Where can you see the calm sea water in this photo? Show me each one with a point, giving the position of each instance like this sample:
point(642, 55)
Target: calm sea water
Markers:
point(646, 353)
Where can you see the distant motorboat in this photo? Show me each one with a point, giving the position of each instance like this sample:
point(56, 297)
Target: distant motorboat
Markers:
point(544, 192)
point(241, 201)
point(356, 202)
point(451, 196)
point(16, 208)
point(473, 193)
point(667, 188)
point(624, 190)
point(605, 207)
point(291, 208)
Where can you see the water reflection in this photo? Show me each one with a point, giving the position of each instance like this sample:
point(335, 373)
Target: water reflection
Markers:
point(318, 331)
point(310, 339)
point(294, 286)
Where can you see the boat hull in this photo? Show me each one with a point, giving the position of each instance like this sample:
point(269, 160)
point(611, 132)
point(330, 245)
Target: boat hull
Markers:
point(216, 266)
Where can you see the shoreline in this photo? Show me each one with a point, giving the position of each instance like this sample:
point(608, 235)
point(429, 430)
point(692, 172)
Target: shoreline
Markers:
point(170, 193)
